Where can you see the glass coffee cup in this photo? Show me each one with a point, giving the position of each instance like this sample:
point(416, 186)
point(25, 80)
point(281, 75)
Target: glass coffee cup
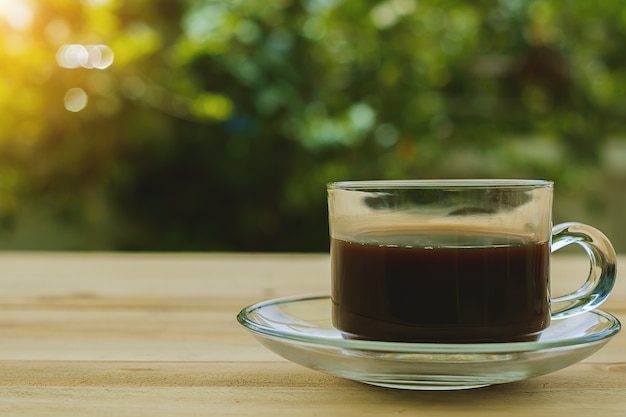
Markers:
point(454, 261)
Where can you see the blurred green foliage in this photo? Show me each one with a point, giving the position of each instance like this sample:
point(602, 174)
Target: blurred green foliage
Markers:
point(219, 122)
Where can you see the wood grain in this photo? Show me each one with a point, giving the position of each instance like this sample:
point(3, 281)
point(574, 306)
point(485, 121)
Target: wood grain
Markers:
point(156, 335)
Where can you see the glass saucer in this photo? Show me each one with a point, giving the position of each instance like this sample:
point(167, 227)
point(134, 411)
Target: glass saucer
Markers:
point(300, 330)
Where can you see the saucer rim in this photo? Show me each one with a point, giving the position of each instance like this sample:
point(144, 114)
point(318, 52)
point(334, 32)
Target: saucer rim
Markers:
point(244, 318)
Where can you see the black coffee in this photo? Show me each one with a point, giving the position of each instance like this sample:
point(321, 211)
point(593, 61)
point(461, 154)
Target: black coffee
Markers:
point(437, 288)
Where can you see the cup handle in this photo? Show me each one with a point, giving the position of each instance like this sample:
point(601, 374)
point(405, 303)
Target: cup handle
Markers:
point(602, 272)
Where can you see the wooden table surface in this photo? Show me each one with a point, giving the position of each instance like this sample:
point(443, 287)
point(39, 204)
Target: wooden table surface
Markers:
point(156, 335)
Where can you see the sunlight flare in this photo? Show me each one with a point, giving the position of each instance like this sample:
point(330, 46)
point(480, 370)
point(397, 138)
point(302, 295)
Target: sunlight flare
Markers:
point(18, 14)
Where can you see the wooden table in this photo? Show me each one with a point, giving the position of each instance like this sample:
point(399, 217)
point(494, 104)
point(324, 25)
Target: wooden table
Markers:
point(156, 335)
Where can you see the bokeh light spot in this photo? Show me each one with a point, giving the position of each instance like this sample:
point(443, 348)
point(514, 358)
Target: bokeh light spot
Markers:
point(362, 116)
point(387, 14)
point(86, 56)
point(72, 56)
point(57, 31)
point(212, 106)
point(17, 13)
point(99, 56)
point(76, 99)
point(386, 135)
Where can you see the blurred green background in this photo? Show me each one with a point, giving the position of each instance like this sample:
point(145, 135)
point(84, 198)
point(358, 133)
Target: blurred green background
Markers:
point(201, 125)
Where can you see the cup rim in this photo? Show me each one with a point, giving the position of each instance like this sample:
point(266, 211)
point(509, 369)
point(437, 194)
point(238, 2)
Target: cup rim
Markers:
point(439, 184)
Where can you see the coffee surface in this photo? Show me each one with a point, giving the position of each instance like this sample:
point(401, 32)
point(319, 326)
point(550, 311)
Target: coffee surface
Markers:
point(440, 287)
